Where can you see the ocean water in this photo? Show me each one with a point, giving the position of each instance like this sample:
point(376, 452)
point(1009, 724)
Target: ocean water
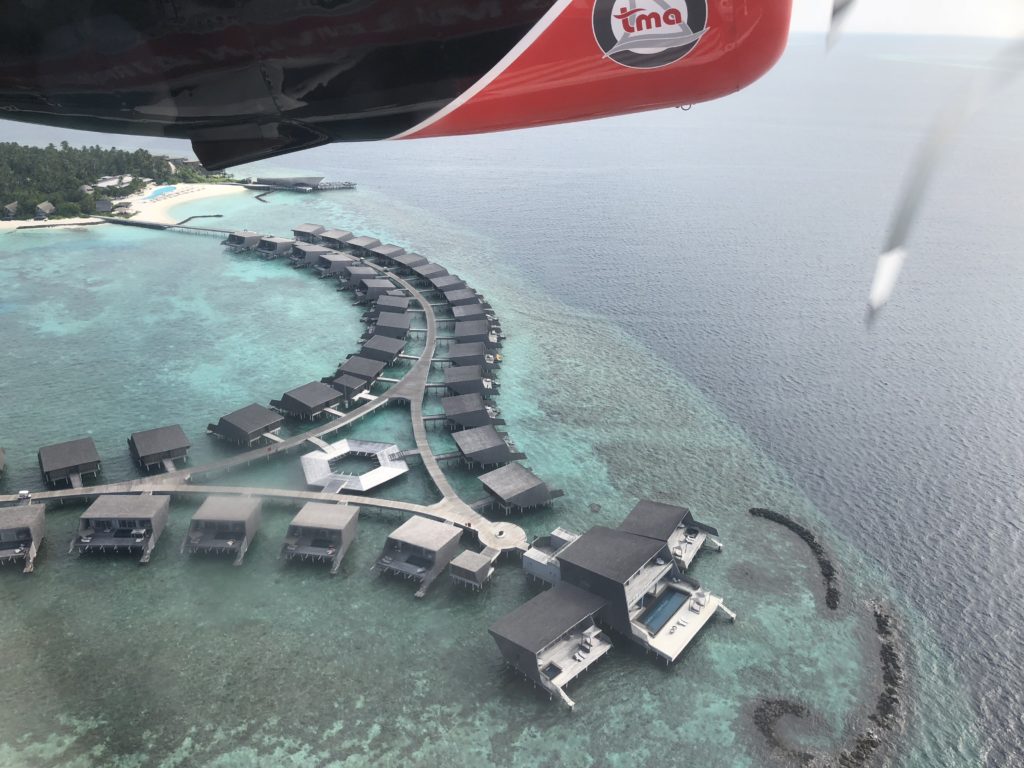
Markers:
point(683, 294)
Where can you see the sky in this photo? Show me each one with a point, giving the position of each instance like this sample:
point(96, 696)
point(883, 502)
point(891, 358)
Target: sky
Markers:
point(977, 18)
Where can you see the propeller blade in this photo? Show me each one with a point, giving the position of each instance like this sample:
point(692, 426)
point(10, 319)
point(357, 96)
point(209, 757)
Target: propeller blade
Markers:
point(1000, 72)
point(840, 12)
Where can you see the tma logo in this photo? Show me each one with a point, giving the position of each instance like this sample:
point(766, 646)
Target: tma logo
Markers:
point(649, 33)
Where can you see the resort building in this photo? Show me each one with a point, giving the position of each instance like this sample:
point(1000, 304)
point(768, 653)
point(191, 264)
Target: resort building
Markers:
point(475, 353)
point(425, 272)
point(674, 526)
point(467, 332)
point(335, 239)
point(364, 368)
point(552, 638)
point(243, 240)
point(322, 471)
point(45, 210)
point(471, 569)
point(307, 255)
point(321, 533)
point(102, 205)
point(461, 296)
point(310, 401)
point(362, 246)
point(9, 211)
point(486, 446)
point(391, 303)
point(349, 386)
point(515, 488)
point(464, 411)
point(469, 379)
point(307, 233)
point(354, 272)
point(223, 525)
point(393, 324)
point(248, 426)
point(159, 448)
point(387, 253)
point(540, 561)
point(383, 348)
point(115, 523)
point(419, 549)
point(270, 247)
point(405, 262)
point(443, 283)
point(647, 599)
point(370, 288)
point(22, 530)
point(333, 264)
point(68, 463)
point(474, 311)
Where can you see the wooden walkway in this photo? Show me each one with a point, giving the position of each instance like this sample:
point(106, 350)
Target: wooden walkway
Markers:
point(500, 536)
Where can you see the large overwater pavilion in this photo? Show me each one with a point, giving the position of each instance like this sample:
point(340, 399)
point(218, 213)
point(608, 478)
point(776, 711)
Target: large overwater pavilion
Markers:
point(673, 525)
point(553, 638)
point(321, 533)
point(122, 523)
point(22, 530)
point(223, 525)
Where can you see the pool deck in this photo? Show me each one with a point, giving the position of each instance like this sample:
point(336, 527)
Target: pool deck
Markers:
point(681, 628)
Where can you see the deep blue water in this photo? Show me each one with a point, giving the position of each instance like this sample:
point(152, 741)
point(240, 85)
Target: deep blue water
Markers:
point(733, 245)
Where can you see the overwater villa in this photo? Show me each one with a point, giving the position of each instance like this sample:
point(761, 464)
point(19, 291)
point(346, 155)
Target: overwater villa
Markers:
point(474, 311)
point(22, 530)
point(370, 288)
point(473, 353)
point(307, 255)
point(333, 264)
point(404, 263)
point(419, 549)
point(223, 525)
point(248, 426)
point(334, 239)
point(362, 246)
point(307, 233)
point(361, 367)
point(122, 523)
point(393, 324)
point(464, 411)
point(391, 303)
point(321, 533)
point(69, 463)
point(469, 331)
point(240, 241)
point(383, 348)
point(461, 296)
point(514, 488)
point(309, 402)
point(351, 275)
point(270, 247)
point(442, 283)
point(486, 446)
point(469, 379)
point(159, 448)
point(424, 272)
point(386, 253)
point(349, 386)
point(553, 638)
point(471, 569)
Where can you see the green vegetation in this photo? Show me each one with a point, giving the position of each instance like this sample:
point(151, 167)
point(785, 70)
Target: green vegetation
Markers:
point(32, 175)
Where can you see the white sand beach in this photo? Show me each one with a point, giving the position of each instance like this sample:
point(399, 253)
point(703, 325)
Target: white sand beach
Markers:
point(158, 209)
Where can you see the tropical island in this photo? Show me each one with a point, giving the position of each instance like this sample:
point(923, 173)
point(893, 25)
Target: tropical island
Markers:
point(62, 182)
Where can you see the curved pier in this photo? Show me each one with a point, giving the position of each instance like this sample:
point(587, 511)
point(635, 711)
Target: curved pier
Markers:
point(499, 536)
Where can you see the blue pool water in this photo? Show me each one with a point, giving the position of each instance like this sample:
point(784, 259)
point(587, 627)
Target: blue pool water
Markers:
point(663, 610)
point(160, 191)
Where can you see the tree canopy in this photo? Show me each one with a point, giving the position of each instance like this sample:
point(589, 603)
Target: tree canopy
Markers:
point(32, 175)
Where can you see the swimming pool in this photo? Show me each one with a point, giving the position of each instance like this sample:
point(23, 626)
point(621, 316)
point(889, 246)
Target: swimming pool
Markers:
point(663, 609)
point(160, 191)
